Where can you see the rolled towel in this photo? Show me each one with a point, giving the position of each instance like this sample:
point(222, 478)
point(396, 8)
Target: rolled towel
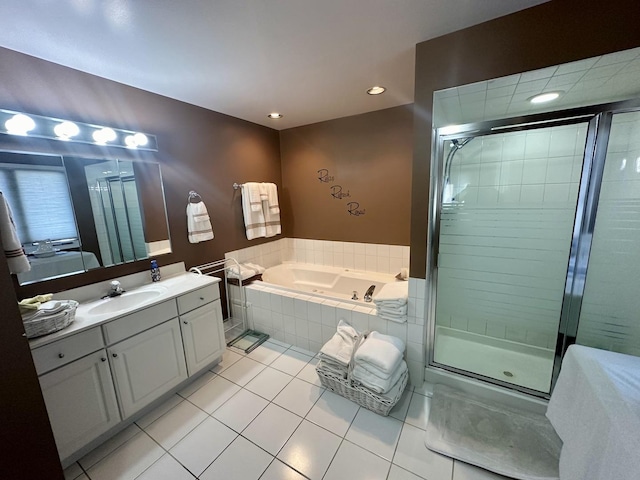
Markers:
point(383, 352)
point(375, 383)
point(403, 275)
point(396, 291)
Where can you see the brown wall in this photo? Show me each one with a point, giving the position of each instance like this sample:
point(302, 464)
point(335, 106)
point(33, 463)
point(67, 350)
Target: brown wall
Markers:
point(198, 149)
point(556, 32)
point(369, 156)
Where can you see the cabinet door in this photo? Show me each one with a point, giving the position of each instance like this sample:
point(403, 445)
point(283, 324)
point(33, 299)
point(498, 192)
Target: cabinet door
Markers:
point(147, 365)
point(203, 336)
point(81, 402)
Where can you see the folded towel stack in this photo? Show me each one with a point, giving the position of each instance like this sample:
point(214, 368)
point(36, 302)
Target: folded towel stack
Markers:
point(244, 271)
point(391, 302)
point(377, 363)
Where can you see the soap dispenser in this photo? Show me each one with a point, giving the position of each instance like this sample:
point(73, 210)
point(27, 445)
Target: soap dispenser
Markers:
point(155, 271)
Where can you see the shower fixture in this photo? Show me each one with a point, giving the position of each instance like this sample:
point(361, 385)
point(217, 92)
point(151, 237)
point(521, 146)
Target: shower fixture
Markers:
point(456, 144)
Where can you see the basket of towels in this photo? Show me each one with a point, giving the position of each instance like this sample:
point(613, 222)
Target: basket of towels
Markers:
point(367, 368)
point(41, 315)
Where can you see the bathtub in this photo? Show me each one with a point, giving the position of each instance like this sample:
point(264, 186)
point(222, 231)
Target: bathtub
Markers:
point(329, 282)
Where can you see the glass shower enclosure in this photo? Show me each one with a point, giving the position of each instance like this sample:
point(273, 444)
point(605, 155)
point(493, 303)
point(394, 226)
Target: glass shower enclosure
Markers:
point(533, 234)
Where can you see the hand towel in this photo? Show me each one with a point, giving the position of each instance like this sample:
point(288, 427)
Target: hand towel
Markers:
point(340, 346)
point(33, 304)
point(375, 383)
point(16, 259)
point(253, 219)
point(241, 271)
point(396, 291)
point(397, 311)
point(198, 223)
point(253, 191)
point(383, 352)
point(271, 192)
point(271, 216)
point(254, 266)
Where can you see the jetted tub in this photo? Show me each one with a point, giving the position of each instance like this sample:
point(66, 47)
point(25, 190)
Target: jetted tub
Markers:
point(332, 282)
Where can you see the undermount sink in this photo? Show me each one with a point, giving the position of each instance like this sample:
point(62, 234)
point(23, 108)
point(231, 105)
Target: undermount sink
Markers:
point(125, 301)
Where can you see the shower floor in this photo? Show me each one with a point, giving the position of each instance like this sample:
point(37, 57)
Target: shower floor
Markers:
point(512, 362)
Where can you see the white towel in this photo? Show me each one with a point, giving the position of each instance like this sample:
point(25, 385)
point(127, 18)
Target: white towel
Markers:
point(340, 346)
point(381, 351)
point(271, 215)
point(241, 271)
point(271, 192)
point(254, 266)
point(375, 383)
point(393, 318)
point(393, 292)
point(392, 311)
point(253, 219)
point(254, 191)
point(198, 223)
point(13, 250)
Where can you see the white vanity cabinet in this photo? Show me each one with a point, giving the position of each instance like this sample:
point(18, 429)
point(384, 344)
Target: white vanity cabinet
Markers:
point(95, 378)
point(147, 365)
point(81, 401)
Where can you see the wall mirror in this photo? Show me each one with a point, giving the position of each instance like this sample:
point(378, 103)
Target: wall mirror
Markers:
point(77, 214)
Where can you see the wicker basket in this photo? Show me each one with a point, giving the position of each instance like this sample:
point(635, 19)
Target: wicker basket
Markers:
point(362, 396)
point(51, 323)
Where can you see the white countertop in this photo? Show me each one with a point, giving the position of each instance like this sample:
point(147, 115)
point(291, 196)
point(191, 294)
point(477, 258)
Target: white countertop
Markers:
point(171, 287)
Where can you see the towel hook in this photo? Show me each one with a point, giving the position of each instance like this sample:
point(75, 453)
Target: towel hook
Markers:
point(194, 197)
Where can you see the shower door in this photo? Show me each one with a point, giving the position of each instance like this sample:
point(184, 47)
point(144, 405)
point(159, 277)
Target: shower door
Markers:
point(504, 220)
point(609, 314)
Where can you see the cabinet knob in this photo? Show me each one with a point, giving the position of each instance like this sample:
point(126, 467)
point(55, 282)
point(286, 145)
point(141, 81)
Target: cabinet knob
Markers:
point(202, 298)
point(104, 359)
point(185, 322)
point(61, 355)
point(114, 355)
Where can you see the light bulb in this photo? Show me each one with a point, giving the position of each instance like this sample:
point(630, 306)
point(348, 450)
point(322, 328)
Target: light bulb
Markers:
point(66, 130)
point(20, 124)
point(104, 135)
point(140, 139)
point(376, 90)
point(544, 97)
point(130, 141)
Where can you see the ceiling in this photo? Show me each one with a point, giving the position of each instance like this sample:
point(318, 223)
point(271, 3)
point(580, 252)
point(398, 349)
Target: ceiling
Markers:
point(311, 60)
point(603, 79)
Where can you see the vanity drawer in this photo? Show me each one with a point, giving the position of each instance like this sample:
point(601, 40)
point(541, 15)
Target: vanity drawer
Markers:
point(139, 321)
point(66, 350)
point(197, 298)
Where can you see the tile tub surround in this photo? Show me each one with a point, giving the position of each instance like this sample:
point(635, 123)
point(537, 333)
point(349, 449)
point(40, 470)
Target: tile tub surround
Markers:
point(360, 256)
point(307, 322)
point(330, 438)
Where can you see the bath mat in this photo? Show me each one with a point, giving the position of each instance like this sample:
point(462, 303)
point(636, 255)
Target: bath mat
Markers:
point(495, 437)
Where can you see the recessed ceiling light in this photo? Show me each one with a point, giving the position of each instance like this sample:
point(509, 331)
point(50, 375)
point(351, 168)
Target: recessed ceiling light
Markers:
point(544, 97)
point(376, 90)
point(275, 115)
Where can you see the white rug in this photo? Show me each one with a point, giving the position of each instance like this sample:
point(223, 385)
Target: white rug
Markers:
point(495, 437)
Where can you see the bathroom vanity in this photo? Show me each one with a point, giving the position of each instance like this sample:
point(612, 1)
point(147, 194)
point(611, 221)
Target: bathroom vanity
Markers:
point(122, 353)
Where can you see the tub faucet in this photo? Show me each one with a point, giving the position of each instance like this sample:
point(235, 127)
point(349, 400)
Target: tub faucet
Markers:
point(369, 295)
point(355, 295)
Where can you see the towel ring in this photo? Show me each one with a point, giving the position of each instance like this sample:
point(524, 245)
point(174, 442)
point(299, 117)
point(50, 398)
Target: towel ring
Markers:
point(194, 197)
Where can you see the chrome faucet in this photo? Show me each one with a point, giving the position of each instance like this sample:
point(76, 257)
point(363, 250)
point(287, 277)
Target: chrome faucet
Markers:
point(355, 295)
point(369, 295)
point(115, 290)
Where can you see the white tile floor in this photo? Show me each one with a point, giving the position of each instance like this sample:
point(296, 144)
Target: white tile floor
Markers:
point(265, 416)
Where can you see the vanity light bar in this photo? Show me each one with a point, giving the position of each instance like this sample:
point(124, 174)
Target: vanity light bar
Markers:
point(38, 126)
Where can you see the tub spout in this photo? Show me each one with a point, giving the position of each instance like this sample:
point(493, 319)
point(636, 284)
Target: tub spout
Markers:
point(355, 295)
point(369, 295)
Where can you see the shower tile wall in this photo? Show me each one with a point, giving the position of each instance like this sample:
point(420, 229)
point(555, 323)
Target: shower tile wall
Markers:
point(538, 169)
